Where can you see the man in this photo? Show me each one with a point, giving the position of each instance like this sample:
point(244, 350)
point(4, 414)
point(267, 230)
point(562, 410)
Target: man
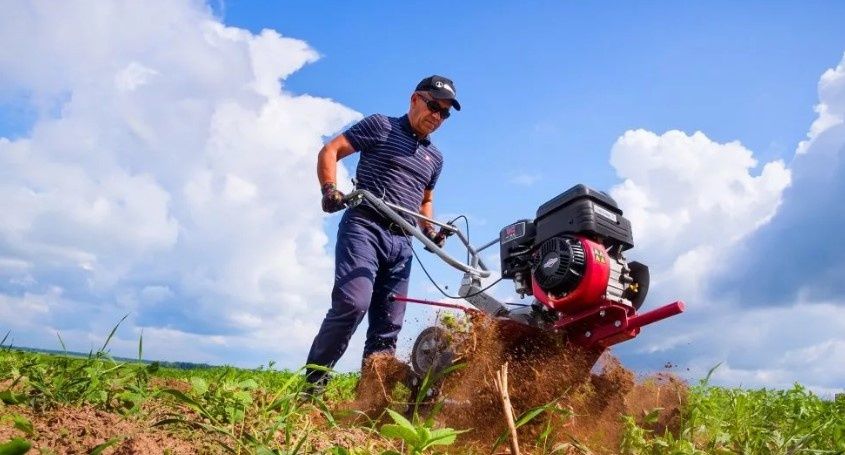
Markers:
point(373, 255)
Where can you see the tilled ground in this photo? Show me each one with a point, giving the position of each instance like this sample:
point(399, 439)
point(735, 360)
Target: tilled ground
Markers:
point(586, 395)
point(78, 430)
point(584, 404)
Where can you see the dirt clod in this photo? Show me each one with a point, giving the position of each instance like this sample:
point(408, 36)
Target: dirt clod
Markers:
point(584, 392)
point(77, 430)
point(379, 377)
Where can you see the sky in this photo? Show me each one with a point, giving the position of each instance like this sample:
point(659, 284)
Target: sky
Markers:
point(157, 159)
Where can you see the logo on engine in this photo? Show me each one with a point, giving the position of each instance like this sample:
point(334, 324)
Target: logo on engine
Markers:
point(599, 256)
point(512, 232)
point(551, 263)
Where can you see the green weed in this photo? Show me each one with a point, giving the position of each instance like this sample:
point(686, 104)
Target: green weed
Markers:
point(545, 439)
point(420, 436)
point(16, 446)
point(45, 381)
point(246, 417)
point(262, 411)
point(721, 421)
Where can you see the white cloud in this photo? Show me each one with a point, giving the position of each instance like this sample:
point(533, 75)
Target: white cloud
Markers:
point(524, 178)
point(26, 308)
point(133, 76)
point(754, 347)
point(831, 107)
point(754, 259)
point(690, 199)
point(169, 176)
point(801, 343)
point(798, 247)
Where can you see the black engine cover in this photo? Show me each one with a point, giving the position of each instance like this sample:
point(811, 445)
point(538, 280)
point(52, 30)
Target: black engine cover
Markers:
point(583, 210)
point(559, 264)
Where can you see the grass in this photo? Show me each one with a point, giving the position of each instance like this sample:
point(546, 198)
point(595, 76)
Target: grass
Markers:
point(720, 420)
point(262, 411)
point(47, 381)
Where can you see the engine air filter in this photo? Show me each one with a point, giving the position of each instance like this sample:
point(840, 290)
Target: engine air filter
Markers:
point(559, 264)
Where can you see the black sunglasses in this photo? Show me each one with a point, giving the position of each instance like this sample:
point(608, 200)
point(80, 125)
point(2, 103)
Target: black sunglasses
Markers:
point(434, 107)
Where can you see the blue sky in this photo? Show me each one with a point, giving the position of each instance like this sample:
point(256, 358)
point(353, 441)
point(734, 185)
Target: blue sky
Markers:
point(588, 70)
point(555, 83)
point(159, 169)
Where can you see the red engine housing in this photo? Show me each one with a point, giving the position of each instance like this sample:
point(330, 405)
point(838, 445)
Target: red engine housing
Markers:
point(586, 314)
point(590, 291)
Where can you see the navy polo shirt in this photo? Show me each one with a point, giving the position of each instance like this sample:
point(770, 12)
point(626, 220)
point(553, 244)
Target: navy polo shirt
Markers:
point(394, 163)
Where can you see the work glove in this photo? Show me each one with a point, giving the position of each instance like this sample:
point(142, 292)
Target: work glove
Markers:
point(332, 198)
point(438, 237)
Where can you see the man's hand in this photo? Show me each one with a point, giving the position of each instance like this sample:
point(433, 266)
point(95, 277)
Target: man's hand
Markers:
point(332, 198)
point(438, 237)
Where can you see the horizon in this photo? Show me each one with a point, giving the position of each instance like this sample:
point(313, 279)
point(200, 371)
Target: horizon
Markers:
point(158, 161)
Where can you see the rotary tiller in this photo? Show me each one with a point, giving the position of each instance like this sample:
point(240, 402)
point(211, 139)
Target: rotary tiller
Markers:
point(569, 259)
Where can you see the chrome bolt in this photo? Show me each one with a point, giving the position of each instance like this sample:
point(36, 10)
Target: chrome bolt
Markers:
point(617, 323)
point(602, 313)
point(588, 334)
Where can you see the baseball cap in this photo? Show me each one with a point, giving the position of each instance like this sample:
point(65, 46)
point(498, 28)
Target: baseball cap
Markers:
point(440, 88)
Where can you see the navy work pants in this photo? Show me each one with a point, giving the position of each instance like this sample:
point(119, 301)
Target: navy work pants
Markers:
point(371, 263)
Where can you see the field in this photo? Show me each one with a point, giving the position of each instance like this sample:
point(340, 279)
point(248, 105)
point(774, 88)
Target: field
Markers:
point(96, 404)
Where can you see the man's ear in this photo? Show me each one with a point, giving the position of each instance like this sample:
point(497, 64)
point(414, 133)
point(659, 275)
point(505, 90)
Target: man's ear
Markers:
point(411, 101)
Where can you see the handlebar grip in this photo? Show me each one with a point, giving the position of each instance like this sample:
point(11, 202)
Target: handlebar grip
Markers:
point(359, 195)
point(352, 199)
point(445, 232)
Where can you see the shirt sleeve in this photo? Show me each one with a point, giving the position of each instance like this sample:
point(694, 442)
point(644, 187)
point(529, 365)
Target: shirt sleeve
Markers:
point(435, 175)
point(368, 132)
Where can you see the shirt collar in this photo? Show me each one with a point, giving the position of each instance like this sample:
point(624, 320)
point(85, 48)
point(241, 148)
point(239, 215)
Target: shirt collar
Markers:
point(406, 125)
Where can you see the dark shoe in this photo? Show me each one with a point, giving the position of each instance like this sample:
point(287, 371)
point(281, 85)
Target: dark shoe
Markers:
point(312, 392)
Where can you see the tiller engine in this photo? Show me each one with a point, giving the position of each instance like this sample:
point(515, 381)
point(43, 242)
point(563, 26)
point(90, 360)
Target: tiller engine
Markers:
point(569, 258)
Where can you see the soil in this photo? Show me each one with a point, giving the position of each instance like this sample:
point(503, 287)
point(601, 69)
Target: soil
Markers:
point(77, 430)
point(381, 373)
point(585, 392)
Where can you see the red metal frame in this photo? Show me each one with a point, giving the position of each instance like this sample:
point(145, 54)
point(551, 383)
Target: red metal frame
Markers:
point(601, 326)
point(453, 306)
point(610, 323)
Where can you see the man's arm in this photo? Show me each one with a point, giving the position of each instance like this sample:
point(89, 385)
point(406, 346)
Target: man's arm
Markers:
point(334, 151)
point(427, 209)
point(327, 159)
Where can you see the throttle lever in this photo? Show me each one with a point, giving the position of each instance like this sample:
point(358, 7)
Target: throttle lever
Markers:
point(443, 233)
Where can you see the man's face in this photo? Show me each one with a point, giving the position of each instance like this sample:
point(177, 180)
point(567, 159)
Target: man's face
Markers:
point(423, 119)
